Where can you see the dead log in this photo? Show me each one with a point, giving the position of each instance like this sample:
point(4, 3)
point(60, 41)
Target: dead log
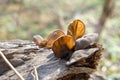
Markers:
point(79, 67)
point(25, 54)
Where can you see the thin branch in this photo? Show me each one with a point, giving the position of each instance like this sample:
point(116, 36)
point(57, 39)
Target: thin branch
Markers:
point(35, 73)
point(11, 66)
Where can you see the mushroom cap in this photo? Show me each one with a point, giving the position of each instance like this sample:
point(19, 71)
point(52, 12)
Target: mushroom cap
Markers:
point(48, 43)
point(63, 46)
point(52, 37)
point(76, 29)
point(38, 40)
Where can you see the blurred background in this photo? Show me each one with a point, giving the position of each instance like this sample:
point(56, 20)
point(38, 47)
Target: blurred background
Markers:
point(21, 19)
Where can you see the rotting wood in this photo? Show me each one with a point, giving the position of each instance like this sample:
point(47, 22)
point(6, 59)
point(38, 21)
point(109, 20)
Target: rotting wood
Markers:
point(44, 60)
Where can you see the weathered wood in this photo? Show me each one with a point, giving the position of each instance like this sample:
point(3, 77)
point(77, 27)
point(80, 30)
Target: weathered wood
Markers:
point(59, 69)
point(25, 54)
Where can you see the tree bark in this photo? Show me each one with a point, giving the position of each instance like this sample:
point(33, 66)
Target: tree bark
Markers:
point(25, 54)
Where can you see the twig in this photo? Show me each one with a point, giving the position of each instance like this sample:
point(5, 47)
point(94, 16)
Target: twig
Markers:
point(35, 73)
point(11, 66)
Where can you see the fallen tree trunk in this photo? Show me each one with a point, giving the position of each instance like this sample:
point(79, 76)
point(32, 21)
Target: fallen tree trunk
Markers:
point(82, 64)
point(25, 54)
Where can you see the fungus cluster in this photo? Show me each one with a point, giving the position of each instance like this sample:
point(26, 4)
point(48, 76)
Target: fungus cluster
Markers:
point(74, 46)
point(79, 51)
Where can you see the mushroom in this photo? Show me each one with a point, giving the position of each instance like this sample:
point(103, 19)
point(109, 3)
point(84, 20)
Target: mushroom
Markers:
point(63, 46)
point(39, 41)
point(53, 37)
point(76, 29)
point(50, 39)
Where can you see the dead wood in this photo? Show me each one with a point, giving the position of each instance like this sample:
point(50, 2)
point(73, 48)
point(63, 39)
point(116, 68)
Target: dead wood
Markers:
point(25, 54)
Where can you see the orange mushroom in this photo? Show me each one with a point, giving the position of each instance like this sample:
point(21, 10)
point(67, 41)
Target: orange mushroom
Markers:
point(53, 36)
point(76, 29)
point(39, 41)
point(63, 46)
point(50, 39)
